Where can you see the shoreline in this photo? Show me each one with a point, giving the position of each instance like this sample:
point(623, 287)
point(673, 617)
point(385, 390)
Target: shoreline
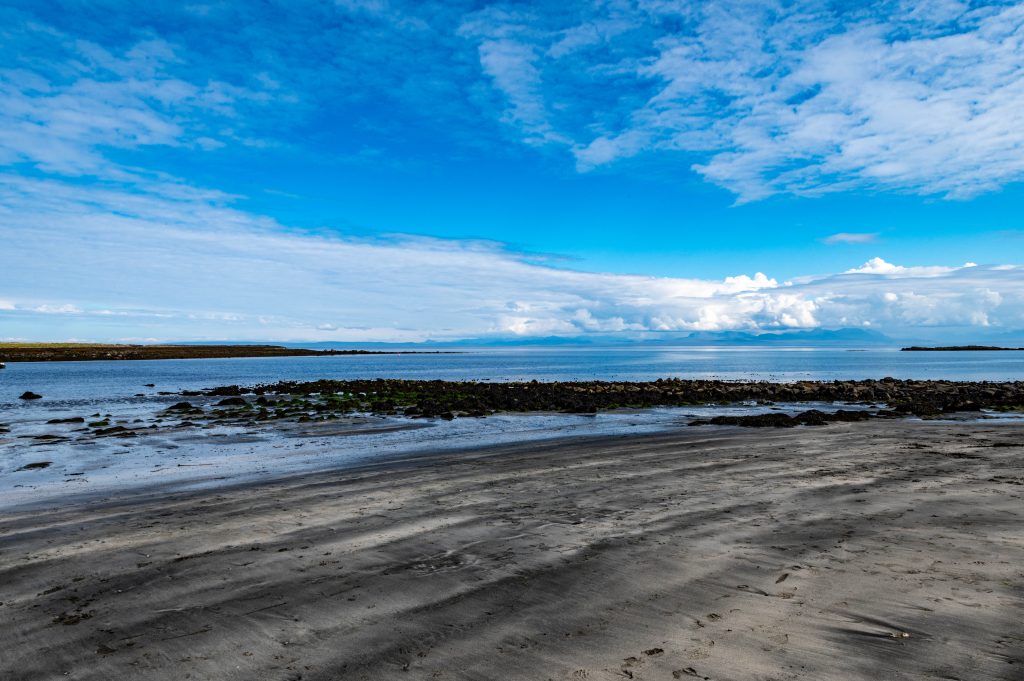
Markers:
point(205, 458)
point(157, 491)
point(219, 436)
point(187, 460)
point(856, 551)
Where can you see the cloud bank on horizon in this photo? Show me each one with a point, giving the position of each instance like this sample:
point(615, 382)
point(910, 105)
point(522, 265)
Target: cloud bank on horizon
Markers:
point(176, 267)
point(761, 99)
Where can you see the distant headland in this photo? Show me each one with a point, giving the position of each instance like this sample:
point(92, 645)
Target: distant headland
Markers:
point(958, 348)
point(81, 352)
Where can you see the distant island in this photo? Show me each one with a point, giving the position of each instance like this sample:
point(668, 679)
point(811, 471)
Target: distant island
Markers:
point(958, 348)
point(81, 352)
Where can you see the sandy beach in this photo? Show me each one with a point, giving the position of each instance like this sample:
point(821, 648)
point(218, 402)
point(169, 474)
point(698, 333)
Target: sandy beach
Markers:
point(878, 550)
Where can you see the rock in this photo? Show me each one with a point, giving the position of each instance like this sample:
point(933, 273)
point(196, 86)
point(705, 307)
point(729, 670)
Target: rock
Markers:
point(35, 466)
point(812, 417)
point(225, 391)
point(120, 431)
point(73, 419)
point(233, 402)
point(29, 395)
point(181, 406)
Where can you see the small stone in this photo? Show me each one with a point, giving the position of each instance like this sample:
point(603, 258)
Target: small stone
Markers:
point(39, 465)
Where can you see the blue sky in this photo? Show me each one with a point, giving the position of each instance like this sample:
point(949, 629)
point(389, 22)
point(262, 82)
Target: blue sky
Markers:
point(375, 170)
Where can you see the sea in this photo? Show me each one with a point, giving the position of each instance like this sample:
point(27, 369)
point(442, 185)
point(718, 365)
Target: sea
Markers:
point(103, 380)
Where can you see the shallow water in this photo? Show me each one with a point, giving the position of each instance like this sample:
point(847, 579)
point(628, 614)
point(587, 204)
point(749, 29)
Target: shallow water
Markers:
point(169, 458)
point(92, 380)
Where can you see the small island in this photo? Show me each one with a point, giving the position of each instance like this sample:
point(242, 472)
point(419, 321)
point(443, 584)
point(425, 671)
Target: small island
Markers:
point(82, 352)
point(959, 348)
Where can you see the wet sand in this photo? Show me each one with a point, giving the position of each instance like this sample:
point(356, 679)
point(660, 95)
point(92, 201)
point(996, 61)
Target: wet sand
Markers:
point(879, 550)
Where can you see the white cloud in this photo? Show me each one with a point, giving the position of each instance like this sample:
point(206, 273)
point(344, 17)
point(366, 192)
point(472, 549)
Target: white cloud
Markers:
point(185, 265)
point(742, 282)
point(57, 309)
point(59, 115)
point(511, 65)
point(760, 98)
point(772, 98)
point(879, 266)
point(851, 238)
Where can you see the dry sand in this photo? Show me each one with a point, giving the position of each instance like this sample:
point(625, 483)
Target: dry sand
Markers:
point(881, 550)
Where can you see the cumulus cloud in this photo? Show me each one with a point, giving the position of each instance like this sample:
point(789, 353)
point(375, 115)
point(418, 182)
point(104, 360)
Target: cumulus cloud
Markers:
point(880, 266)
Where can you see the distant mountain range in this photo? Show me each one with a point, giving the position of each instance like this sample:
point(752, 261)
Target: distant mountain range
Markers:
point(795, 337)
point(849, 337)
point(792, 337)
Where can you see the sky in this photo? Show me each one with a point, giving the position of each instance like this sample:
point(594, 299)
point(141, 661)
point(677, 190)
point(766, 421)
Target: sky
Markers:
point(382, 171)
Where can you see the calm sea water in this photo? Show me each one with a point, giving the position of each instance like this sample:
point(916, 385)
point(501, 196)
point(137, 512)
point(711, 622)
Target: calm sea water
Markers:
point(105, 380)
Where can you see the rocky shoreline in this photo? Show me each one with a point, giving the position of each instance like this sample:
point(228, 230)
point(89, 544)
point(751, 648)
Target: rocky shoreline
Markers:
point(324, 400)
